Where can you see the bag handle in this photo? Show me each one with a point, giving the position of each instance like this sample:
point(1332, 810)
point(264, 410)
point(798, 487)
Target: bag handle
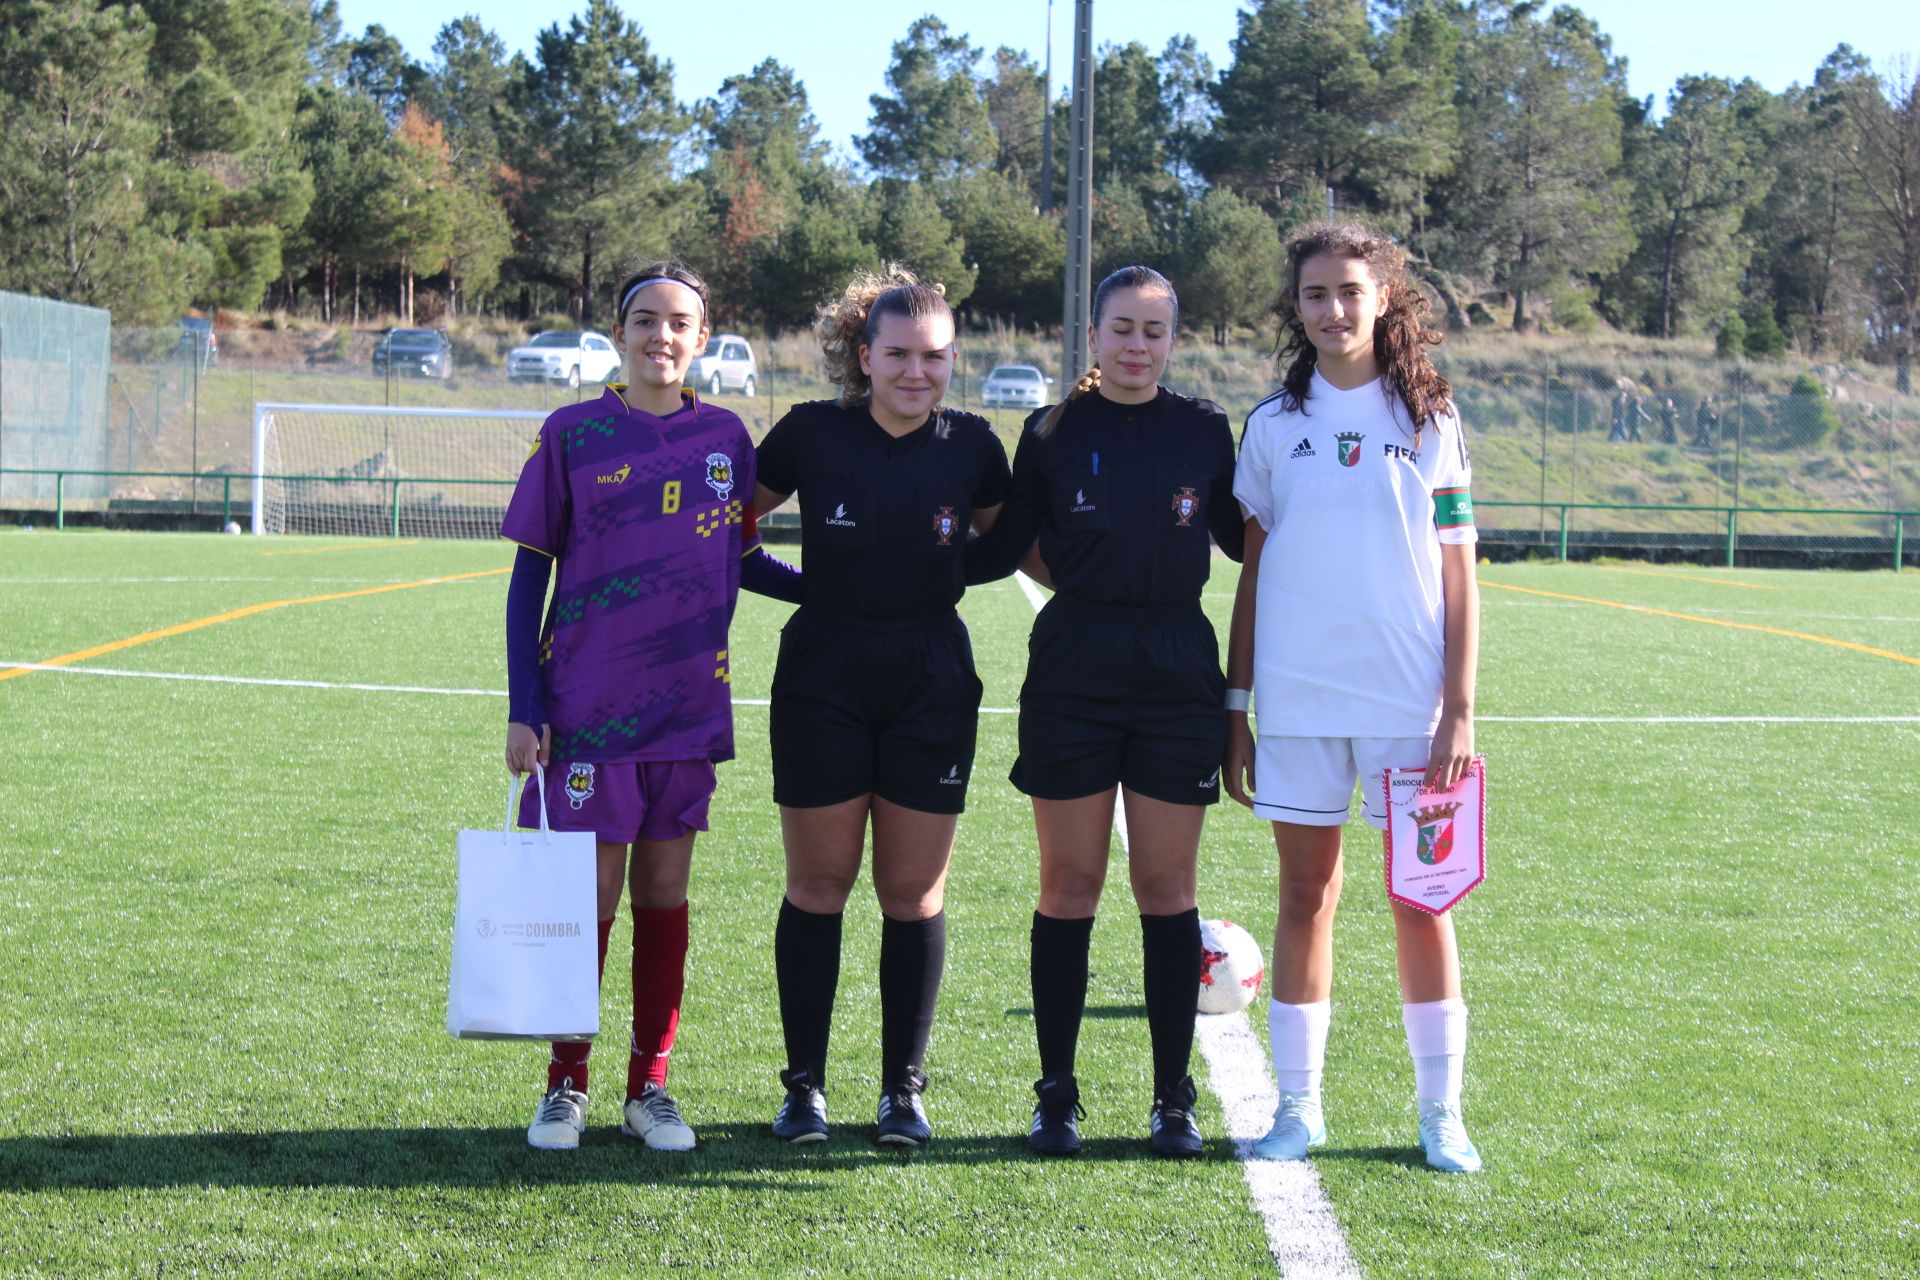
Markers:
point(514, 787)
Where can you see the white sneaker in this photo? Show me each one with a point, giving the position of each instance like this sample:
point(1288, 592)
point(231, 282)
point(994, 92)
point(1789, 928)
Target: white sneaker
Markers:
point(1298, 1125)
point(561, 1119)
point(1444, 1135)
point(654, 1118)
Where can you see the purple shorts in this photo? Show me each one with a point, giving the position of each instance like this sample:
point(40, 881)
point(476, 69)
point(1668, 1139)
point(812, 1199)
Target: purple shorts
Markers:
point(624, 802)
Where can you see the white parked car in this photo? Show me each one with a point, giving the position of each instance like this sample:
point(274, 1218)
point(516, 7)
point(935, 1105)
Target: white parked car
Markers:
point(1014, 386)
point(726, 365)
point(560, 355)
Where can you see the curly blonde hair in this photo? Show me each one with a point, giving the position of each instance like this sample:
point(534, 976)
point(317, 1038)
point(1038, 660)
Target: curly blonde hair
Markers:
point(849, 322)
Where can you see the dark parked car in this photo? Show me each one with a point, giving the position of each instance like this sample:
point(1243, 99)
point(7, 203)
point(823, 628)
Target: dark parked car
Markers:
point(422, 353)
point(197, 336)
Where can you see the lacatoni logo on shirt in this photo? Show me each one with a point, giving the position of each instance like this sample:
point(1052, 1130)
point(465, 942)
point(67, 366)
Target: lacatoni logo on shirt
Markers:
point(720, 475)
point(579, 784)
point(945, 523)
point(841, 518)
point(953, 778)
point(1452, 508)
point(1080, 502)
point(1302, 450)
point(1349, 442)
point(1185, 503)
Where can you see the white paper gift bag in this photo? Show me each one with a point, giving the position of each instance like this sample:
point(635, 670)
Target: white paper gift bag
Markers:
point(525, 941)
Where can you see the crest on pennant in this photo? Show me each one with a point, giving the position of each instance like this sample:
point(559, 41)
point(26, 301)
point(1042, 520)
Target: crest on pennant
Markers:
point(1185, 503)
point(1436, 831)
point(945, 525)
point(1350, 447)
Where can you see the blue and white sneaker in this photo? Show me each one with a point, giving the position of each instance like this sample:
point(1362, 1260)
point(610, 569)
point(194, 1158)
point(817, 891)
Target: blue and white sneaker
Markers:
point(1298, 1126)
point(902, 1120)
point(803, 1112)
point(1444, 1136)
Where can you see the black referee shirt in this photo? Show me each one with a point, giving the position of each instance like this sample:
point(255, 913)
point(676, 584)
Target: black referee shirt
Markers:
point(883, 520)
point(1122, 498)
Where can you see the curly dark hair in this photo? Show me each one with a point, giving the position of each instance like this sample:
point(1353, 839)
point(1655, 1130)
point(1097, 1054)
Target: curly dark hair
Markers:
point(1401, 333)
point(846, 323)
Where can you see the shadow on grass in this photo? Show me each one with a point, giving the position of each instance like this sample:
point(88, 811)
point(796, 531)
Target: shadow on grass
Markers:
point(730, 1155)
point(1093, 1011)
point(1410, 1157)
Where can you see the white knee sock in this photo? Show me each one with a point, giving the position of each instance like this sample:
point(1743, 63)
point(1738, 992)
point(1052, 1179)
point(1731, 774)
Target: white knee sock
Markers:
point(1299, 1036)
point(1437, 1039)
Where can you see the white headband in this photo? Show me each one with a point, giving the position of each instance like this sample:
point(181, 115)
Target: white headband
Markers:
point(641, 284)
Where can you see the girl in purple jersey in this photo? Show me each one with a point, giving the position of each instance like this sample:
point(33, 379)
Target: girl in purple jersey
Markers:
point(640, 500)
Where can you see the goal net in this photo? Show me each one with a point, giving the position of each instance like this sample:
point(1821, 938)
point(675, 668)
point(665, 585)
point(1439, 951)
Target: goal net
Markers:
point(370, 470)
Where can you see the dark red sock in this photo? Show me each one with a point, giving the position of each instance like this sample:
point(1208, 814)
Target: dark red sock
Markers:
point(659, 980)
point(569, 1058)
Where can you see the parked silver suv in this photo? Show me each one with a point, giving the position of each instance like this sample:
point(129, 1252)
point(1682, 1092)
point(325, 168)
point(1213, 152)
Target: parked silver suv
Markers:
point(726, 365)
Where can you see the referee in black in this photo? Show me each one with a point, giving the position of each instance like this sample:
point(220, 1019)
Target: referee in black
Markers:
point(875, 700)
point(1122, 483)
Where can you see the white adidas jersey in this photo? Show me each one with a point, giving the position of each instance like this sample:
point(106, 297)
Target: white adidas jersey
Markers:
point(1349, 634)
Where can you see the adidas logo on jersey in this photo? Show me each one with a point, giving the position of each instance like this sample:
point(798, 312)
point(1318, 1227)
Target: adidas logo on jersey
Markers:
point(1302, 450)
point(953, 778)
point(840, 517)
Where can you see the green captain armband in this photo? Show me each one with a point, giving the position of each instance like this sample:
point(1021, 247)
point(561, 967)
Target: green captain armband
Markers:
point(1452, 508)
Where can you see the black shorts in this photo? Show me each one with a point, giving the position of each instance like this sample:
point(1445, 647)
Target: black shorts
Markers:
point(865, 705)
point(1122, 695)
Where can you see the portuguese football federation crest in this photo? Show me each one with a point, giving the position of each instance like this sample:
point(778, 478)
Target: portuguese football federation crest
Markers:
point(1185, 503)
point(579, 784)
point(1436, 832)
point(720, 475)
point(1349, 442)
point(945, 525)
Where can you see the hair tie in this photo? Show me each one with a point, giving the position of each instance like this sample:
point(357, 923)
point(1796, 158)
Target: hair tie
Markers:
point(638, 285)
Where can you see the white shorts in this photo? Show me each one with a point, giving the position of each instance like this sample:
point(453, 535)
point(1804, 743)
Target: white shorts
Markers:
point(1310, 780)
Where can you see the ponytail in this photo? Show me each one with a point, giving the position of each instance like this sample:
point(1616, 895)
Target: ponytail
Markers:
point(1091, 382)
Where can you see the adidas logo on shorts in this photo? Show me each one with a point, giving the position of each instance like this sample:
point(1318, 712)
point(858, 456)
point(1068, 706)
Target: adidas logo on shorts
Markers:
point(1302, 450)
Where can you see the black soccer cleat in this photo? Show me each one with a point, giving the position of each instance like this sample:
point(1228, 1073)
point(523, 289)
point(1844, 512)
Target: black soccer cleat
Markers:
point(902, 1117)
point(1174, 1132)
point(1056, 1117)
point(803, 1113)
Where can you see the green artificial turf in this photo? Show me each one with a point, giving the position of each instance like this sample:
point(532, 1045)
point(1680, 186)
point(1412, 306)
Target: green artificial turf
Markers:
point(224, 911)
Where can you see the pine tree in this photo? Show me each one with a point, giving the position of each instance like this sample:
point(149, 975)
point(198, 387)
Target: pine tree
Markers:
point(933, 122)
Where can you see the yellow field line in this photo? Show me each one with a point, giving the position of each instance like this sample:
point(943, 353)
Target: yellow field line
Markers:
point(320, 551)
point(1712, 622)
point(1684, 577)
point(246, 611)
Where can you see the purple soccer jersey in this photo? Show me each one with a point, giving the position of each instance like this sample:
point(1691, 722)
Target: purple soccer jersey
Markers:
point(647, 520)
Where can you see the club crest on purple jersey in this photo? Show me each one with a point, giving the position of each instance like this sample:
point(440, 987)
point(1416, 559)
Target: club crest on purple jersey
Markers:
point(720, 475)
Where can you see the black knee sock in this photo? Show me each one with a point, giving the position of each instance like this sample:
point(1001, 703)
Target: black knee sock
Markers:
point(1058, 971)
point(806, 963)
point(913, 953)
point(1170, 948)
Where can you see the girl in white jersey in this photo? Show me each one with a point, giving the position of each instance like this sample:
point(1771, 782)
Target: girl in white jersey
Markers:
point(1356, 635)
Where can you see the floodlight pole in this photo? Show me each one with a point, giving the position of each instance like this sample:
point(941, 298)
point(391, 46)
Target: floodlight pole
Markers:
point(1079, 283)
point(1046, 124)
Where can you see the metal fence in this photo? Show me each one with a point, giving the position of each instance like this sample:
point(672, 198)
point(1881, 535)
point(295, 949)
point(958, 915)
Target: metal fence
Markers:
point(53, 383)
point(1578, 449)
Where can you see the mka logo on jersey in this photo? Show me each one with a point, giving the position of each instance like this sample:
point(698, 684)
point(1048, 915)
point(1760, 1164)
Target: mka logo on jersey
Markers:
point(1349, 442)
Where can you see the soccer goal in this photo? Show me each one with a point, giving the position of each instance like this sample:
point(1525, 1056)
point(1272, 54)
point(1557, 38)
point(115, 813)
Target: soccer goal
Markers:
point(373, 470)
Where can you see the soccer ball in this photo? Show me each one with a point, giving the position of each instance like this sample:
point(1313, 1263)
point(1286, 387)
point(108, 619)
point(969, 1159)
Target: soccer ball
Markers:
point(1230, 967)
point(233, 526)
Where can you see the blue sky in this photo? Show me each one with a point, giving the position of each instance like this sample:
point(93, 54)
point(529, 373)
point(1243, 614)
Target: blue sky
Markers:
point(840, 48)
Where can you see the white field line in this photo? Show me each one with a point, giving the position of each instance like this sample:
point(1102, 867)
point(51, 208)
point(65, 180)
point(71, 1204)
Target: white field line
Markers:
point(1302, 1234)
point(289, 682)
